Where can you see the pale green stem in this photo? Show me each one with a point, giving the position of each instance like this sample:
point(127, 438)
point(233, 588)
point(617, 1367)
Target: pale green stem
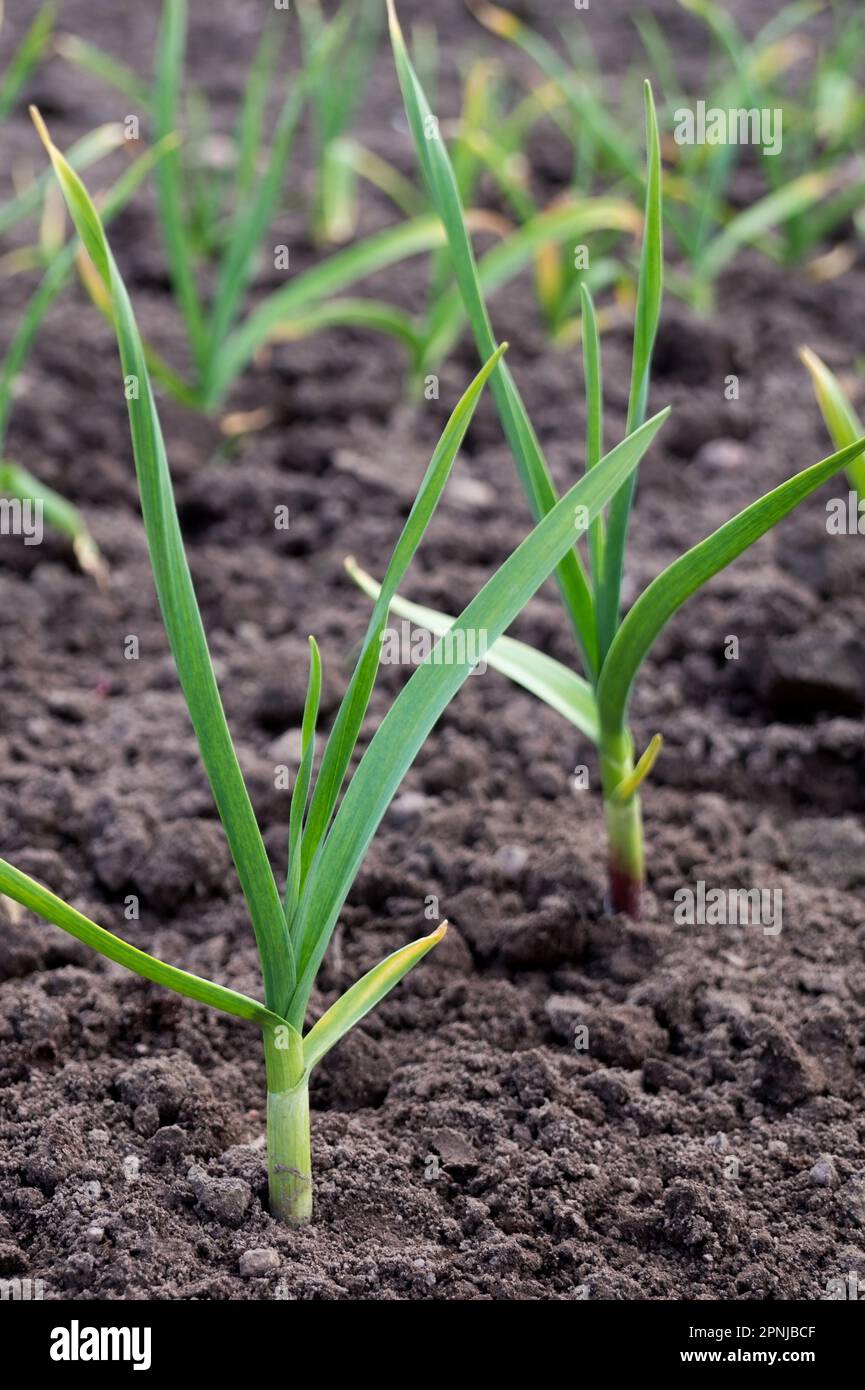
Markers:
point(624, 825)
point(289, 1162)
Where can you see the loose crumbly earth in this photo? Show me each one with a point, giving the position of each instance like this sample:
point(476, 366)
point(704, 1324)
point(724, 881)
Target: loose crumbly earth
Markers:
point(708, 1143)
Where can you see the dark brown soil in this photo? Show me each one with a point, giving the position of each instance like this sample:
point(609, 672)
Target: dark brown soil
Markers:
point(709, 1142)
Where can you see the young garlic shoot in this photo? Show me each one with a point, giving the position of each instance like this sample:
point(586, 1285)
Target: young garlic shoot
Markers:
point(611, 648)
point(330, 830)
point(707, 231)
point(225, 223)
point(16, 482)
point(228, 230)
point(334, 99)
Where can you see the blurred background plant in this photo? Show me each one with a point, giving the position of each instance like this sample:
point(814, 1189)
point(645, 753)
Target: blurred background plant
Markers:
point(218, 197)
point(812, 186)
point(220, 194)
point(36, 198)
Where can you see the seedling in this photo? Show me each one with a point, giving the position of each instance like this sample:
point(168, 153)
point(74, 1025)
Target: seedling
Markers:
point(16, 482)
point(222, 220)
point(326, 842)
point(213, 225)
point(30, 194)
point(487, 139)
point(26, 57)
point(823, 119)
point(335, 98)
point(806, 202)
point(612, 648)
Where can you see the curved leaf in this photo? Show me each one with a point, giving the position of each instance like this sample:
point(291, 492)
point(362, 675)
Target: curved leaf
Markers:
point(416, 709)
point(657, 604)
point(329, 277)
point(179, 606)
point(81, 155)
point(350, 1008)
point(60, 514)
point(559, 687)
point(515, 252)
point(25, 890)
point(840, 418)
point(352, 313)
point(768, 212)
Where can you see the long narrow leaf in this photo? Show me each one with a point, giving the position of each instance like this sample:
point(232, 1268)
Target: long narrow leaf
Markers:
point(341, 744)
point(105, 66)
point(648, 312)
point(840, 418)
point(56, 276)
point(587, 111)
point(353, 313)
point(768, 212)
point(58, 513)
point(26, 57)
point(330, 277)
point(250, 125)
point(300, 794)
point(251, 223)
point(558, 686)
point(548, 230)
point(25, 890)
point(180, 609)
point(419, 704)
point(253, 218)
point(591, 340)
point(166, 90)
point(81, 155)
point(534, 472)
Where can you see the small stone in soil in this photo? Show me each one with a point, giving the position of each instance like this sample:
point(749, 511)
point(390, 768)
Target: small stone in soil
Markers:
point(510, 860)
point(823, 1173)
point(408, 809)
point(454, 1151)
point(226, 1199)
point(131, 1167)
point(721, 454)
point(256, 1263)
point(287, 748)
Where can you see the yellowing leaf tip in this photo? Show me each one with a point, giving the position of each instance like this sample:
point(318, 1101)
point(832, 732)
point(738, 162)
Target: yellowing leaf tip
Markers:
point(498, 21)
point(41, 128)
point(816, 367)
point(393, 21)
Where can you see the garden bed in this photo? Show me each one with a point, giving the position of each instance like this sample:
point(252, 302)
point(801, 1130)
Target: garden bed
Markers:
point(708, 1143)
